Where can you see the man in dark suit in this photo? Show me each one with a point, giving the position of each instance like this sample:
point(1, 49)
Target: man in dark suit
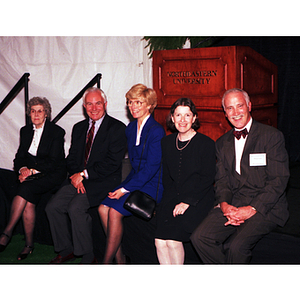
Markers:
point(252, 175)
point(94, 164)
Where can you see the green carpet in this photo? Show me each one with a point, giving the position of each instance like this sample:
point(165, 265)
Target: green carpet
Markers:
point(41, 254)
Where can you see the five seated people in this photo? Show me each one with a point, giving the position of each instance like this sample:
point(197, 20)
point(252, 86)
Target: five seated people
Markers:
point(252, 173)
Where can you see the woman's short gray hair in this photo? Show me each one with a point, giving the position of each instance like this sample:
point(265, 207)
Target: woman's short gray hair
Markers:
point(39, 101)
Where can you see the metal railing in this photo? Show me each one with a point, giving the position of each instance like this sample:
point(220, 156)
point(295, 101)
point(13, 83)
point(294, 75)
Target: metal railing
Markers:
point(23, 83)
point(95, 80)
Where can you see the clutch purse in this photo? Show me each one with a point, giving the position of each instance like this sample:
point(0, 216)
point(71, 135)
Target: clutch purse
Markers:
point(140, 204)
point(34, 176)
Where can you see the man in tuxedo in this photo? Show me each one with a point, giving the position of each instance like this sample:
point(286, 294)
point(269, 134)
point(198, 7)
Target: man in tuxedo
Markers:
point(252, 175)
point(94, 164)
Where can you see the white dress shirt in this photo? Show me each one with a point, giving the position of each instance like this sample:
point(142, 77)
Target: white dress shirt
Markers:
point(36, 139)
point(97, 126)
point(239, 147)
point(138, 132)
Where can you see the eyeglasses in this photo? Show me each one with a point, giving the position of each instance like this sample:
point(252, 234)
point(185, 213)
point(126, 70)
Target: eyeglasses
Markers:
point(137, 103)
point(36, 111)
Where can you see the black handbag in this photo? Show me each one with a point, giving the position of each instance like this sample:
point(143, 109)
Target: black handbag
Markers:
point(139, 203)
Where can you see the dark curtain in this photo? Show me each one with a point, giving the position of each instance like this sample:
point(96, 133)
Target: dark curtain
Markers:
point(283, 52)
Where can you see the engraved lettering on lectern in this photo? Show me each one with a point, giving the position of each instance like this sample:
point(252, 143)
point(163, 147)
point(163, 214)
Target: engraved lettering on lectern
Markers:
point(188, 77)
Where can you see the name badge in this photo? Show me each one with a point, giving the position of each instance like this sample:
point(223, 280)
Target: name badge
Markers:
point(258, 159)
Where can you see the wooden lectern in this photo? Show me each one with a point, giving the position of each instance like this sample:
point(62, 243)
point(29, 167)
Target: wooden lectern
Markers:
point(204, 74)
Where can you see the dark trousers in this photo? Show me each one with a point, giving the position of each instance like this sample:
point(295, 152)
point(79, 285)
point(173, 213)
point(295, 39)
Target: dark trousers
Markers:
point(216, 243)
point(70, 222)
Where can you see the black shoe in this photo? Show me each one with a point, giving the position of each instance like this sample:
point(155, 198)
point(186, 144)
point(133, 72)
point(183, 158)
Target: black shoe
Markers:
point(61, 259)
point(3, 247)
point(22, 256)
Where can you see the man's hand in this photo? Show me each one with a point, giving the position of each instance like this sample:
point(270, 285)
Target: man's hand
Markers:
point(76, 181)
point(236, 215)
point(81, 188)
point(243, 213)
point(229, 212)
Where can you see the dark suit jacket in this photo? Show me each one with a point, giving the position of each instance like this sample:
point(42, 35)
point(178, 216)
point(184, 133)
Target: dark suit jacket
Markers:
point(262, 187)
point(50, 158)
point(105, 161)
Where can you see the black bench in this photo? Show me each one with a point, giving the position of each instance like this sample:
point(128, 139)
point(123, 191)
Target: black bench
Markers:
point(278, 247)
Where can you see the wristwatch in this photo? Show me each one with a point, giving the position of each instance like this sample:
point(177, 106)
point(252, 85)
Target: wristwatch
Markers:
point(82, 174)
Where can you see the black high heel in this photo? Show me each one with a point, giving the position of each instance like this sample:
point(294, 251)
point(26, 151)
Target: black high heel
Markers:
point(22, 256)
point(3, 247)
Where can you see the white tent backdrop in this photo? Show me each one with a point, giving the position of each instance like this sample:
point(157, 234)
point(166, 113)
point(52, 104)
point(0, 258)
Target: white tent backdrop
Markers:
point(59, 68)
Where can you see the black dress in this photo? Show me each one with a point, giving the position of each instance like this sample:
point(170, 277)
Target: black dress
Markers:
point(188, 177)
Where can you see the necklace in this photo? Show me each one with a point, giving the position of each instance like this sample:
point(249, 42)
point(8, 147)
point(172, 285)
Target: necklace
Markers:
point(179, 149)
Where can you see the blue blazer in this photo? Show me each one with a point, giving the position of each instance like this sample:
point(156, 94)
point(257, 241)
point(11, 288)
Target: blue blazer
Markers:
point(146, 179)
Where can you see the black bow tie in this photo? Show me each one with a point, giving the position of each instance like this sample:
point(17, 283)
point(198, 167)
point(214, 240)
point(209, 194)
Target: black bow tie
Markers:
point(240, 133)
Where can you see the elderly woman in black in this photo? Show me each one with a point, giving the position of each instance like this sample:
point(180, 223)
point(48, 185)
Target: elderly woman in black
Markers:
point(188, 175)
point(40, 167)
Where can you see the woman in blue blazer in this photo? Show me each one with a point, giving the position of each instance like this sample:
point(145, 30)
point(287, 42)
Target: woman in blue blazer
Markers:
point(141, 102)
point(40, 153)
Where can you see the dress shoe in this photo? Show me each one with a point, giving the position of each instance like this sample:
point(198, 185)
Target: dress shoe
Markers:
point(22, 256)
point(59, 259)
point(3, 247)
point(94, 262)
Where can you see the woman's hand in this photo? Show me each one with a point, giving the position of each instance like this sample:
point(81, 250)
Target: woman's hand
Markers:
point(24, 173)
point(180, 209)
point(117, 194)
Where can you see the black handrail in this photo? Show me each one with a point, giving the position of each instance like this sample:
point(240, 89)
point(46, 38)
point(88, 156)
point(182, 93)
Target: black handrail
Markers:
point(22, 83)
point(95, 80)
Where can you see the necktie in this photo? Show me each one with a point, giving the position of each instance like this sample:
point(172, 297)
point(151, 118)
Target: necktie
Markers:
point(238, 134)
point(89, 141)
